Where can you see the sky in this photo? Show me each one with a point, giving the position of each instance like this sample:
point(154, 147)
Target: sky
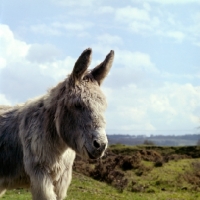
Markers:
point(154, 84)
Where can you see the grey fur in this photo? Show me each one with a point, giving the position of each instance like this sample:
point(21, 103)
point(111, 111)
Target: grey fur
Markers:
point(39, 139)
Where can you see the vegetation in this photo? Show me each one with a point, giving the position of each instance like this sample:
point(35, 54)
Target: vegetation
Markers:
point(135, 172)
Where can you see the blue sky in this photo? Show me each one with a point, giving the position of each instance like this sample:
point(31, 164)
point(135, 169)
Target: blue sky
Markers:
point(154, 85)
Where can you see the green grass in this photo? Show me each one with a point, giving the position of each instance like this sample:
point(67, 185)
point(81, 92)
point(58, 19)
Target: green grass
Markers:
point(20, 194)
point(83, 188)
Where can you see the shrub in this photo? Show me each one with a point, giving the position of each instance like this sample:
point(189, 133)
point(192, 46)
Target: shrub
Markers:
point(129, 162)
point(175, 157)
point(150, 155)
point(158, 163)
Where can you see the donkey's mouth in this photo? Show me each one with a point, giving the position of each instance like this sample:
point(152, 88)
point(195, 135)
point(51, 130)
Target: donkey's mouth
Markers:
point(90, 155)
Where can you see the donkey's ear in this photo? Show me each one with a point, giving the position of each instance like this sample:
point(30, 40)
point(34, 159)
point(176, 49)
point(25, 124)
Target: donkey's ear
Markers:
point(81, 65)
point(101, 70)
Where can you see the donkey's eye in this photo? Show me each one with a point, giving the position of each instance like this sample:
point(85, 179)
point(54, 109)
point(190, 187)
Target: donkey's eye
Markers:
point(78, 106)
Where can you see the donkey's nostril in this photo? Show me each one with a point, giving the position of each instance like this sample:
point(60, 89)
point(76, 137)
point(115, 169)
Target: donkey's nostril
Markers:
point(96, 144)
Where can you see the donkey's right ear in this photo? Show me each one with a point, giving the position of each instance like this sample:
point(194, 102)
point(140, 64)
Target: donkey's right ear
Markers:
point(81, 65)
point(100, 71)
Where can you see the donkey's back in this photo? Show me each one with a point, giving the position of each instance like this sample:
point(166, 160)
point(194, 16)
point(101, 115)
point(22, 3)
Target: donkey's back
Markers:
point(11, 153)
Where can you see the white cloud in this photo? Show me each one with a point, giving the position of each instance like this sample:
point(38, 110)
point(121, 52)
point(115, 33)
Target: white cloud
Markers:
point(3, 62)
point(138, 20)
point(105, 10)
point(42, 53)
point(80, 3)
point(174, 1)
point(194, 28)
point(28, 69)
point(58, 69)
point(171, 105)
point(151, 20)
point(136, 60)
point(125, 59)
point(3, 100)
point(10, 48)
point(130, 68)
point(72, 26)
point(140, 101)
point(129, 13)
point(147, 6)
point(44, 29)
point(109, 39)
point(62, 29)
point(177, 35)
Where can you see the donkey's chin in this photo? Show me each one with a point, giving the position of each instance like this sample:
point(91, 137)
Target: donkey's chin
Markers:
point(93, 155)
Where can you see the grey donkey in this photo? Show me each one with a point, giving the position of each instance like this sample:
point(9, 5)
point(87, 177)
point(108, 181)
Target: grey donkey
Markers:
point(39, 139)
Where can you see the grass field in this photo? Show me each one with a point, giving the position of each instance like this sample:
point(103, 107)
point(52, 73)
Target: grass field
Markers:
point(83, 188)
point(173, 180)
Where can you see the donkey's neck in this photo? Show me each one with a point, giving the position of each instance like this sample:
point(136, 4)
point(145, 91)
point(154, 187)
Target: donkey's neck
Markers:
point(51, 101)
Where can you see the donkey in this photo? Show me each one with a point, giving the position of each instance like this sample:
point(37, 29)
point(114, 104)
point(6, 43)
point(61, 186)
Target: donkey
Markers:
point(39, 139)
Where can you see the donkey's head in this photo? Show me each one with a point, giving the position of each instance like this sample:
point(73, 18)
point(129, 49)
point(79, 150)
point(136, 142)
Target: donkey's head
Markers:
point(80, 117)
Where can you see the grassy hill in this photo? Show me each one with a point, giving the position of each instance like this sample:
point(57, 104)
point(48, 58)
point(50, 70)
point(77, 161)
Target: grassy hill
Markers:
point(139, 173)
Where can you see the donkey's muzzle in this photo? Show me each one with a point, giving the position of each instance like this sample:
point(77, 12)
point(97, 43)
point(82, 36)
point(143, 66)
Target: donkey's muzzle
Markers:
point(97, 153)
point(97, 145)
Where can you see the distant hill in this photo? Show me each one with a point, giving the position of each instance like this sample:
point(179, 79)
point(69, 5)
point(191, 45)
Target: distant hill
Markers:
point(160, 140)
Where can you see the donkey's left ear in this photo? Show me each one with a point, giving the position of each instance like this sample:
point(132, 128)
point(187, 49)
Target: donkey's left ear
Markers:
point(81, 65)
point(100, 71)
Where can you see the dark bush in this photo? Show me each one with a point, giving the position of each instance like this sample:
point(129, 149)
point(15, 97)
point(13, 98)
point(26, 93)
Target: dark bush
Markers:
point(150, 155)
point(129, 162)
point(175, 157)
point(158, 163)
